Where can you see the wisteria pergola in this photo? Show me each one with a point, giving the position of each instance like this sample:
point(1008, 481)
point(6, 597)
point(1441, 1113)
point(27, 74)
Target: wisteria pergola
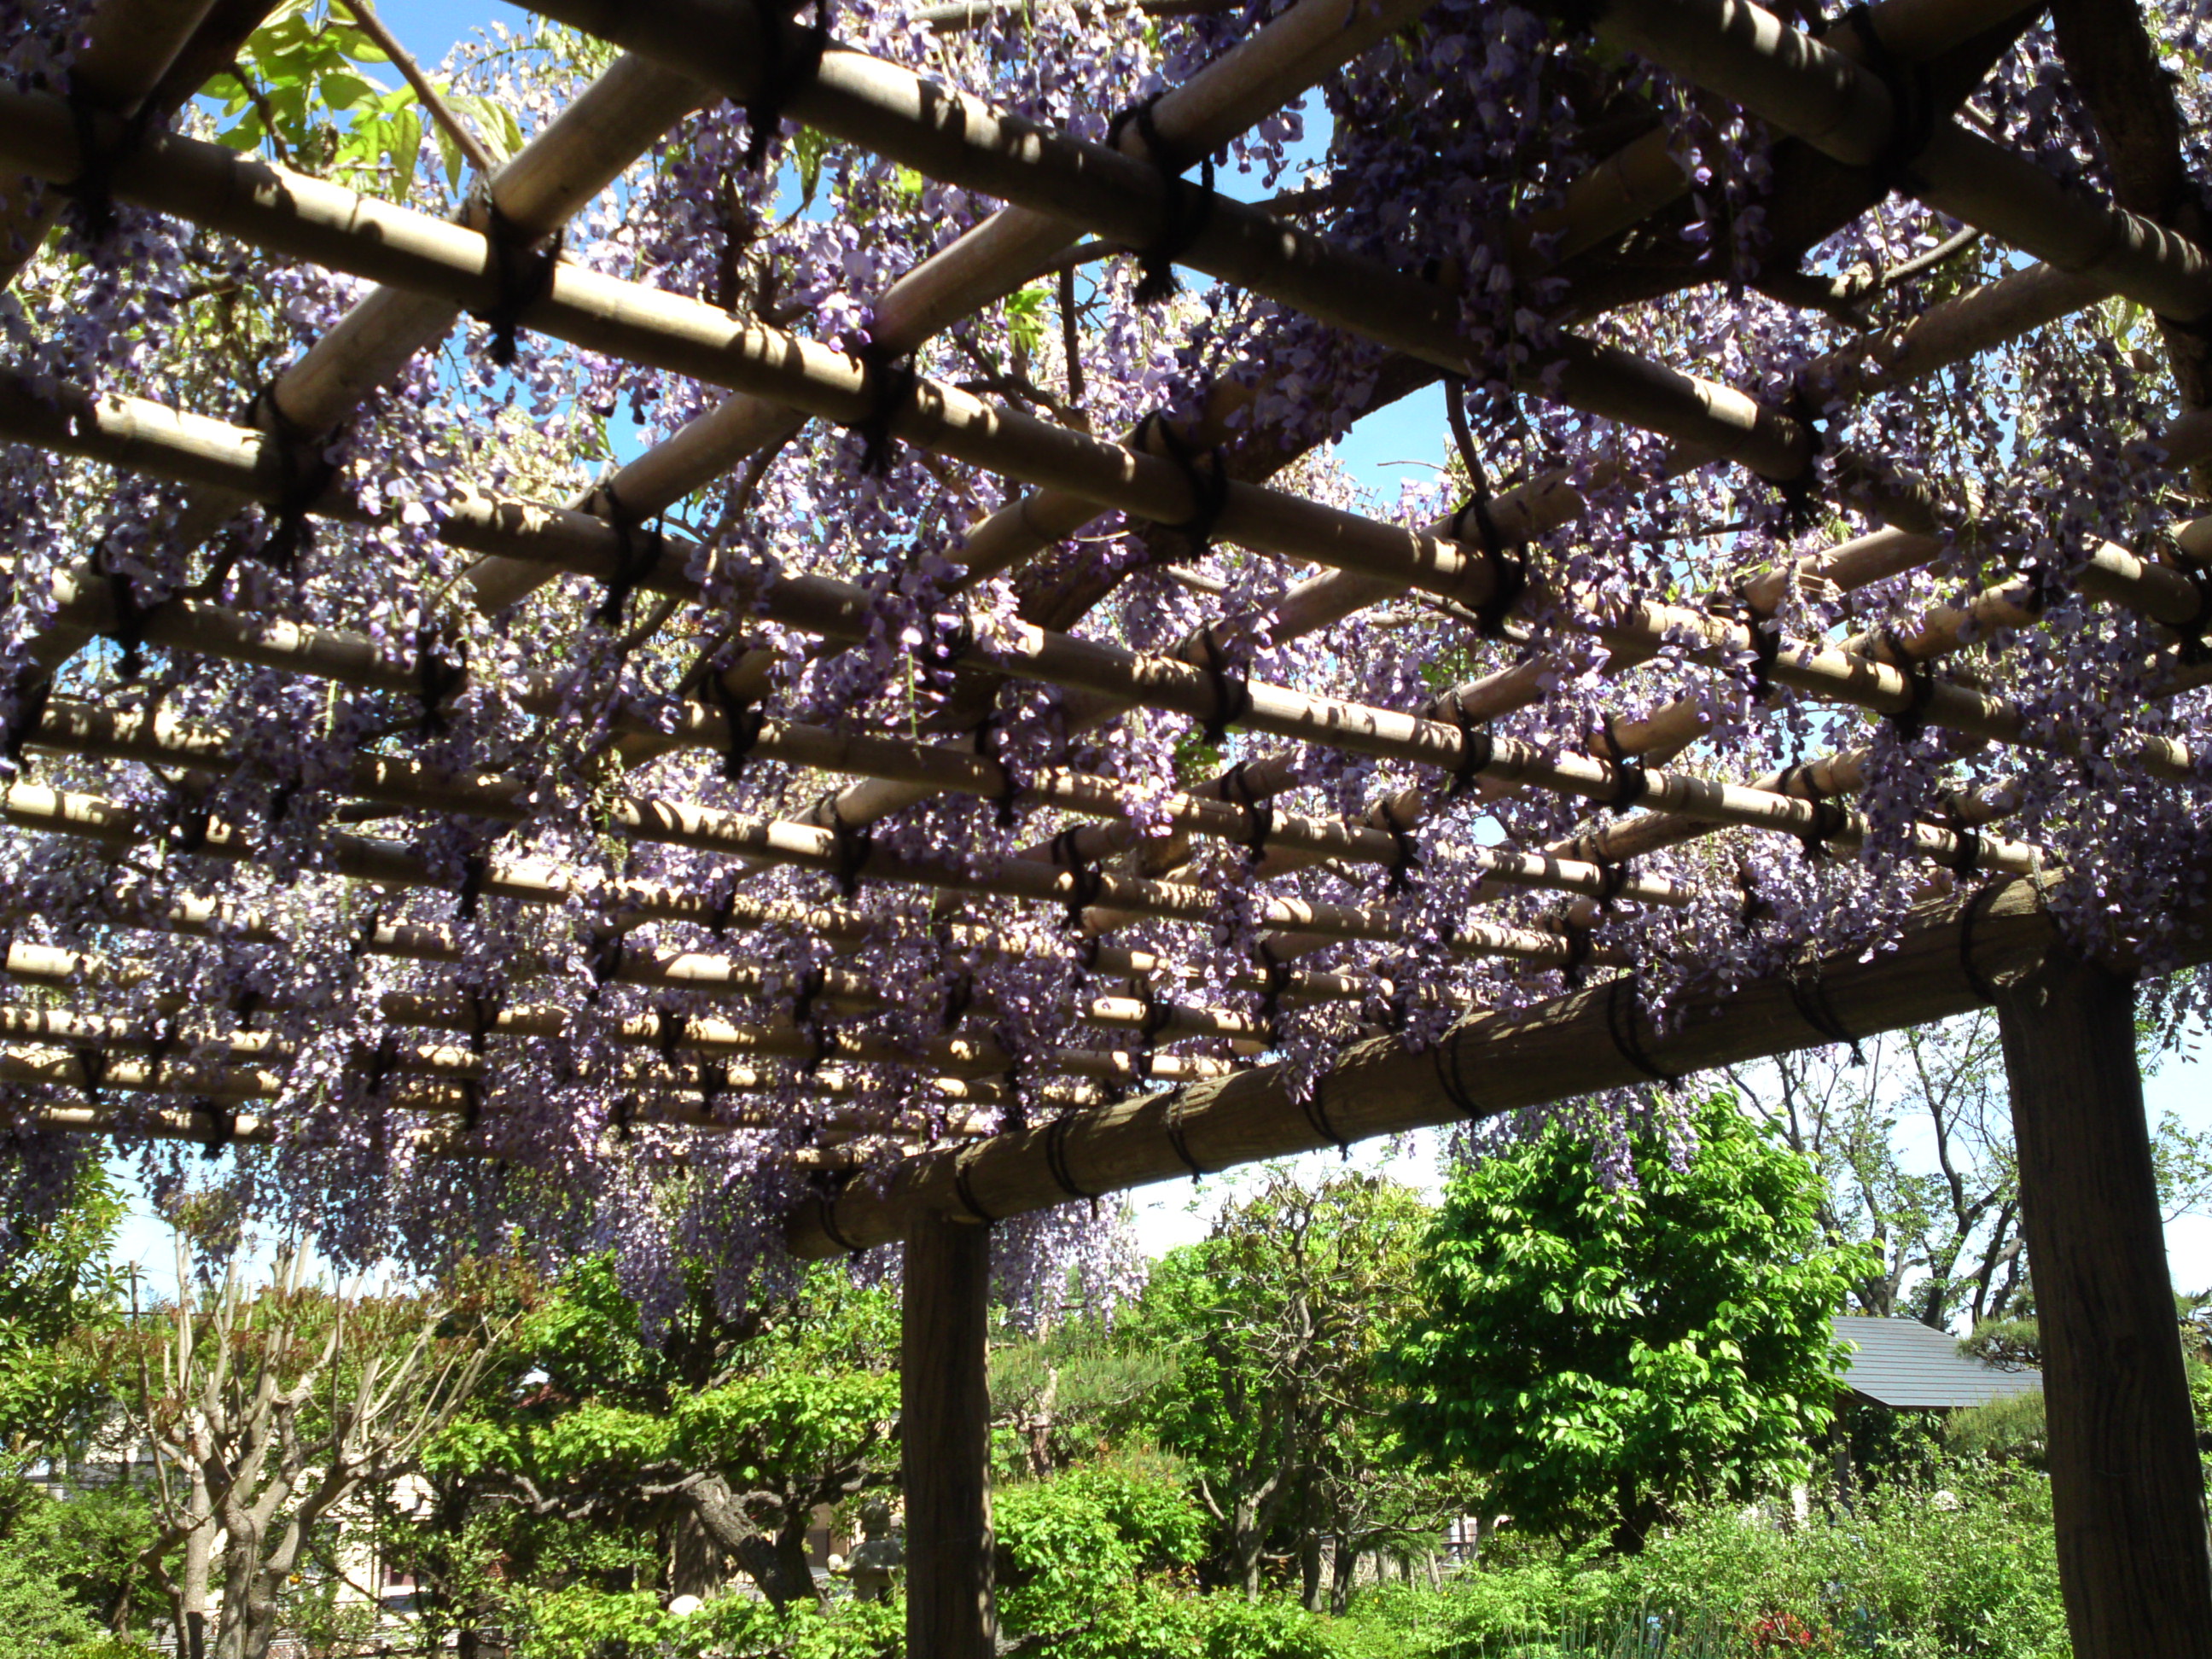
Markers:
point(1183, 811)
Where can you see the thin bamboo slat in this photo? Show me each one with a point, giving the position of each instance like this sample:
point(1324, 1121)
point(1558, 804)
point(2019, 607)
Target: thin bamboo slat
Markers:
point(1802, 88)
point(1491, 1063)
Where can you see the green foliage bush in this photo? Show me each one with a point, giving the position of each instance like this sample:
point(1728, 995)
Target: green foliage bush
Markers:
point(37, 1611)
point(1238, 1629)
point(581, 1622)
point(1908, 1576)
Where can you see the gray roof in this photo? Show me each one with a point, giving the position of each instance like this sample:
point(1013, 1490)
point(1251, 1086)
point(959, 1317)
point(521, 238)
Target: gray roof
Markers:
point(1901, 1362)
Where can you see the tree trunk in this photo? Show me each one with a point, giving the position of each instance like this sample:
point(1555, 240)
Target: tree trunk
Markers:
point(1248, 1542)
point(698, 1564)
point(2125, 1481)
point(727, 1523)
point(945, 1439)
point(1342, 1572)
point(1309, 1569)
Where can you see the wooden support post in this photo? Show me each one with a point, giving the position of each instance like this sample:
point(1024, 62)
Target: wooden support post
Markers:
point(2132, 1553)
point(945, 1440)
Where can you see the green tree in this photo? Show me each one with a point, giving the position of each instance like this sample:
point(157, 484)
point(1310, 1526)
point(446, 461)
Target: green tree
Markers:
point(1278, 1320)
point(730, 1431)
point(55, 1292)
point(1613, 1352)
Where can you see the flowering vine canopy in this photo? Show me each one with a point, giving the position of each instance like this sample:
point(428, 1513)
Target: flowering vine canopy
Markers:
point(708, 602)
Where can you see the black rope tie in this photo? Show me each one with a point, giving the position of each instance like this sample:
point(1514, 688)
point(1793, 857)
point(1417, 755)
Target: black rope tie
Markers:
point(1828, 818)
point(91, 194)
point(1966, 856)
point(474, 869)
point(1316, 1113)
point(1445, 1057)
point(1270, 992)
point(1171, 1120)
point(636, 556)
point(1259, 815)
point(190, 832)
point(1914, 114)
point(31, 701)
point(522, 274)
point(165, 1039)
point(436, 678)
point(888, 379)
point(1158, 1016)
point(1765, 641)
point(787, 64)
point(825, 1210)
point(1574, 968)
point(1754, 909)
point(1612, 879)
point(378, 1071)
point(1086, 880)
point(304, 472)
point(1620, 1017)
point(1232, 693)
point(1909, 721)
point(962, 1187)
point(1800, 495)
point(850, 844)
point(1056, 1158)
point(959, 998)
point(92, 1067)
point(223, 1126)
point(2192, 628)
point(1509, 564)
point(604, 961)
point(128, 631)
point(1810, 995)
point(1983, 986)
point(1630, 782)
point(371, 925)
point(668, 1025)
point(1404, 857)
point(1478, 748)
point(1184, 212)
point(1205, 473)
point(741, 721)
point(986, 748)
point(619, 1117)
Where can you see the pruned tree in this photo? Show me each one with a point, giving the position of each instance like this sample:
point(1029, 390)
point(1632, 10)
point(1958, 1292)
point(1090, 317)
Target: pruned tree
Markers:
point(732, 1428)
point(269, 1410)
point(1278, 1318)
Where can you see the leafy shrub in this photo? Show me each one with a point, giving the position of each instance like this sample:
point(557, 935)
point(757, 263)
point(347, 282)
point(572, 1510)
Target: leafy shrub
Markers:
point(37, 1612)
point(1238, 1629)
point(1078, 1561)
point(582, 1623)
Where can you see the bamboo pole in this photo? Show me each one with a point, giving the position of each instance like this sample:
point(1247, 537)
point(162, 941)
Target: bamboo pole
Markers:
point(164, 740)
point(1595, 1038)
point(581, 151)
point(129, 46)
point(1802, 88)
point(1651, 172)
point(291, 213)
point(134, 433)
point(958, 139)
point(203, 628)
point(1258, 75)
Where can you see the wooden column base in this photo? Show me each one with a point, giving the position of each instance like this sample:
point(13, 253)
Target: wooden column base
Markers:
point(945, 1440)
point(2124, 1478)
